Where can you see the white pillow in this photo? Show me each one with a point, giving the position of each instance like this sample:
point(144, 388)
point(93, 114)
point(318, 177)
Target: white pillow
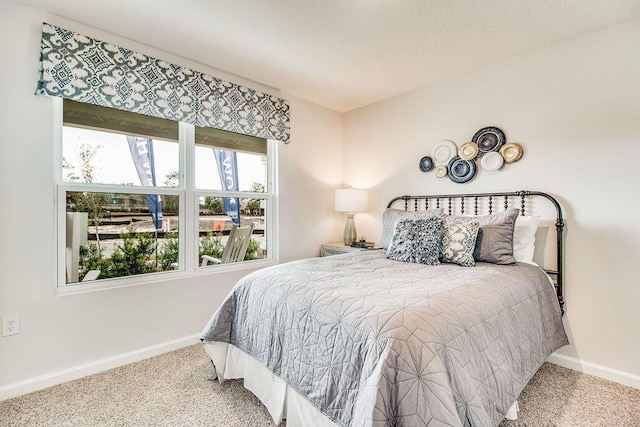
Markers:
point(524, 238)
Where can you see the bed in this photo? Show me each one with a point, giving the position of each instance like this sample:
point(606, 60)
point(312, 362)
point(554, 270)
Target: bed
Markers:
point(363, 340)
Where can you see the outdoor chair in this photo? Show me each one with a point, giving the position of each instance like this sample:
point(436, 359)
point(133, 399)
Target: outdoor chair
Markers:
point(91, 275)
point(235, 249)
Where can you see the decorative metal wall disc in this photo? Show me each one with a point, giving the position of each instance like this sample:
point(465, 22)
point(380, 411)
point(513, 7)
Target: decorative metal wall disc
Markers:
point(461, 171)
point(489, 139)
point(511, 152)
point(492, 161)
point(426, 164)
point(468, 151)
point(441, 171)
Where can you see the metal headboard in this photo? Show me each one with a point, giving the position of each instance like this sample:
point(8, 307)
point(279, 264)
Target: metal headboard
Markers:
point(488, 202)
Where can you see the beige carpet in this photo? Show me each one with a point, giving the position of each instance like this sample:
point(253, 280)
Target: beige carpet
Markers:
point(174, 390)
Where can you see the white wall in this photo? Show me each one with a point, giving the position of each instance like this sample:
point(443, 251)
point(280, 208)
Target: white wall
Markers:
point(310, 169)
point(575, 107)
point(63, 332)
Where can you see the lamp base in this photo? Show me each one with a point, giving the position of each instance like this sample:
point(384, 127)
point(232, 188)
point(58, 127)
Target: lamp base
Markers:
point(349, 234)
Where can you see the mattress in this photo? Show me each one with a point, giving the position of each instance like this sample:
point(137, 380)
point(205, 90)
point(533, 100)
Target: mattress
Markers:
point(369, 341)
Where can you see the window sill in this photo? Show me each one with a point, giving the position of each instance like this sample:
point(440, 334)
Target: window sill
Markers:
point(106, 284)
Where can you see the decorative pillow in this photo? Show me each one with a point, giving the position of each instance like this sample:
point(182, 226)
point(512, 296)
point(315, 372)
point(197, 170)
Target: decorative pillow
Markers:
point(391, 216)
point(459, 241)
point(524, 238)
point(417, 241)
point(495, 237)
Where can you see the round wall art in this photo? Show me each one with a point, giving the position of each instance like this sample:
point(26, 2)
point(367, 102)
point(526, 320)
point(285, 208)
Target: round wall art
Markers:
point(492, 161)
point(487, 150)
point(511, 152)
point(426, 164)
point(468, 151)
point(441, 171)
point(443, 151)
point(461, 171)
point(489, 139)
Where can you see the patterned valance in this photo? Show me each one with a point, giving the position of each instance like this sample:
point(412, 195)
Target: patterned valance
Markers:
point(81, 68)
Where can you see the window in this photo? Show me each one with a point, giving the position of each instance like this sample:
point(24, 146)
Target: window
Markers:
point(139, 195)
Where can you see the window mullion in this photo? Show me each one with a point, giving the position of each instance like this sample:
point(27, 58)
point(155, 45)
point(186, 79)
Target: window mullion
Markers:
point(272, 223)
point(189, 221)
point(239, 194)
point(126, 189)
point(60, 207)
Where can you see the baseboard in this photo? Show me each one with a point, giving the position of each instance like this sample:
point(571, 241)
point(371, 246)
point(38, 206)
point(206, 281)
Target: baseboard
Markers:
point(38, 383)
point(596, 370)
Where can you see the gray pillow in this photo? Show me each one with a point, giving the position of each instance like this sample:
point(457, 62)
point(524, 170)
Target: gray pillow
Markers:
point(494, 243)
point(417, 241)
point(391, 216)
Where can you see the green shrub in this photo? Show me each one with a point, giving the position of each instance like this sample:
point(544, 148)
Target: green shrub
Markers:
point(90, 259)
point(169, 252)
point(252, 248)
point(137, 254)
point(211, 245)
point(134, 256)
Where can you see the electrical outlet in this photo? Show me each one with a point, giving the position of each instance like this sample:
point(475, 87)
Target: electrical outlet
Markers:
point(10, 325)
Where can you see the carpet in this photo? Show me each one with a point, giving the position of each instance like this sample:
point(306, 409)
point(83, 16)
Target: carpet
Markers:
point(174, 389)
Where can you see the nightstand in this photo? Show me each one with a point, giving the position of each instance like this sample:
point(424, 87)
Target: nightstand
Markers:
point(328, 249)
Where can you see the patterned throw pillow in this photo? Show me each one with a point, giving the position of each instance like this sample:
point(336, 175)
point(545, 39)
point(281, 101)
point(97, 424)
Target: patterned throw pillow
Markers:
point(391, 216)
point(417, 241)
point(459, 241)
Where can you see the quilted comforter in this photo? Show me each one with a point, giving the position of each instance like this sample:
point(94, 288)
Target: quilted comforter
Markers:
point(375, 342)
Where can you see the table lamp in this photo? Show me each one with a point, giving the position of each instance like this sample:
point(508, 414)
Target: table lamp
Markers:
point(350, 201)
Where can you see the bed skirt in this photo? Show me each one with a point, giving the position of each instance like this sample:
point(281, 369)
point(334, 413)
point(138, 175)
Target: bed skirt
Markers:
point(282, 401)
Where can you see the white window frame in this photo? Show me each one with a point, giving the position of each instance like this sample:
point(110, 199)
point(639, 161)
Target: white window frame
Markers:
point(188, 218)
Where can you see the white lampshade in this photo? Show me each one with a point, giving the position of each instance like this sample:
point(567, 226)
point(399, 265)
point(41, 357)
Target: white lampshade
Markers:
point(351, 200)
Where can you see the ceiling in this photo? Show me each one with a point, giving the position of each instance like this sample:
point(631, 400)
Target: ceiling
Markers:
point(344, 54)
